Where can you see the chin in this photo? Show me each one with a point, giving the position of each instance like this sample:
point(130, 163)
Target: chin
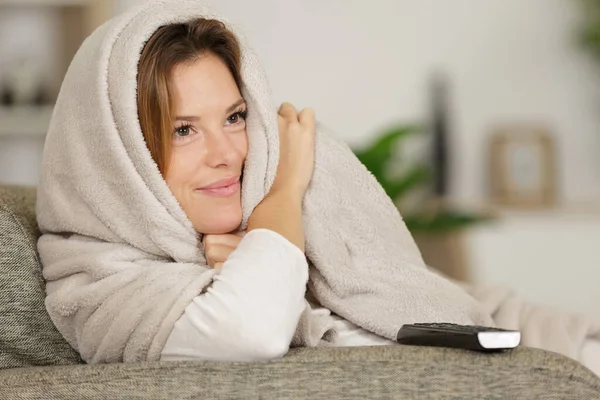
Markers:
point(219, 227)
point(220, 230)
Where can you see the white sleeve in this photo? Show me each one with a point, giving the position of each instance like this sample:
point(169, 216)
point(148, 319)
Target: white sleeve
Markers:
point(251, 310)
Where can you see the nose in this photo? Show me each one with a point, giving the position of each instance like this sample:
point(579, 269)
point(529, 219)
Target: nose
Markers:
point(219, 149)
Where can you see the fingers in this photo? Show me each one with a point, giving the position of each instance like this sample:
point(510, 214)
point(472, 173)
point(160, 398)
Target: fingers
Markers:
point(307, 117)
point(225, 240)
point(217, 253)
point(217, 248)
point(288, 112)
point(218, 265)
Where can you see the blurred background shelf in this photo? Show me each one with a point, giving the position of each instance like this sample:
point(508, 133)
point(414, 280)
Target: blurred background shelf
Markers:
point(24, 121)
point(38, 39)
point(51, 3)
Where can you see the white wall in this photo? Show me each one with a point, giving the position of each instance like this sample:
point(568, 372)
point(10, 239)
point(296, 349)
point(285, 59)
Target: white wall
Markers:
point(547, 258)
point(20, 160)
point(365, 64)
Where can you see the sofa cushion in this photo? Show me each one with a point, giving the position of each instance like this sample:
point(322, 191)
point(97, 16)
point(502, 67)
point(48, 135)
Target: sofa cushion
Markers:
point(27, 335)
point(378, 372)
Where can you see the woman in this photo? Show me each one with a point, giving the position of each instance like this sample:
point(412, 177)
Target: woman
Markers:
point(193, 117)
point(155, 246)
point(183, 217)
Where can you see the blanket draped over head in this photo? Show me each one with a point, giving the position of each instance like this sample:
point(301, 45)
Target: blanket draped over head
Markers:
point(121, 258)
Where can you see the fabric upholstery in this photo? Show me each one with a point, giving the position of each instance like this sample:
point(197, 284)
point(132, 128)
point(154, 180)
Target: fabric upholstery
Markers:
point(27, 335)
point(333, 373)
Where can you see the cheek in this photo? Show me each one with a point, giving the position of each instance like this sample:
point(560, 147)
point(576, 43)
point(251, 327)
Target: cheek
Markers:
point(183, 166)
point(241, 145)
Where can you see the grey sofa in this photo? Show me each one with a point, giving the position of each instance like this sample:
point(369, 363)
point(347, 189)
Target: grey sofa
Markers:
point(36, 362)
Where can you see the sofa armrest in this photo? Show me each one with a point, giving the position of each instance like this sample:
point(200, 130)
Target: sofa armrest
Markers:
point(28, 336)
point(334, 373)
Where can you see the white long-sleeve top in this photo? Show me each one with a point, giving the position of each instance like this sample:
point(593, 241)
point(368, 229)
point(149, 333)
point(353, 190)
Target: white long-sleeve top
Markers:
point(251, 310)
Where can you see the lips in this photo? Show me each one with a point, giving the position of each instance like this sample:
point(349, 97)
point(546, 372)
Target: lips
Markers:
point(222, 188)
point(222, 183)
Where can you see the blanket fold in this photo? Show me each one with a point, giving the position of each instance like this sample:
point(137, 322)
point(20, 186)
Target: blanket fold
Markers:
point(122, 260)
point(542, 327)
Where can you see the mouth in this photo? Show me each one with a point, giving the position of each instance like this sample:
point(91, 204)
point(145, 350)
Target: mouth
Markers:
point(222, 188)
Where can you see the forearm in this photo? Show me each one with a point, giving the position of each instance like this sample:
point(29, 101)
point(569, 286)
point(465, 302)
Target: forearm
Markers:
point(280, 211)
point(251, 310)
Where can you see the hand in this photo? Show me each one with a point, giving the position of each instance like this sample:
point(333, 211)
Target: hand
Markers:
point(296, 150)
point(217, 248)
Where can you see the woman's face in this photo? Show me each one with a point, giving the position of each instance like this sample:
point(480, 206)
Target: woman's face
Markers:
point(209, 144)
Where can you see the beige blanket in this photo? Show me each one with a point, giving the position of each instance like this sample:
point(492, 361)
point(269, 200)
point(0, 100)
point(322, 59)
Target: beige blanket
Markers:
point(121, 259)
point(542, 327)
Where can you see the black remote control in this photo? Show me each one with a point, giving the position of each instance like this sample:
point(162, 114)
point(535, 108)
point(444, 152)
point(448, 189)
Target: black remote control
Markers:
point(469, 337)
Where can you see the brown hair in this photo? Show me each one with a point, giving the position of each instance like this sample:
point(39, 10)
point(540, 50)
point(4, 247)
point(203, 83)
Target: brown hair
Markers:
point(169, 46)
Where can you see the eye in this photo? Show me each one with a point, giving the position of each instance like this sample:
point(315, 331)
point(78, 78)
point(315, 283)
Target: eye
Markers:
point(183, 131)
point(237, 117)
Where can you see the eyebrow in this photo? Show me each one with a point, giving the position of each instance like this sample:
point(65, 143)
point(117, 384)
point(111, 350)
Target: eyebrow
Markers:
point(193, 118)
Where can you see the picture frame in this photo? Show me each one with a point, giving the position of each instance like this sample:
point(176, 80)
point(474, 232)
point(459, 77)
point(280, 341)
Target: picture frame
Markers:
point(523, 167)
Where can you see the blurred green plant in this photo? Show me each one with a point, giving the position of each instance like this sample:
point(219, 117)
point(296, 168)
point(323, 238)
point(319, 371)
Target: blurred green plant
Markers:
point(379, 156)
point(590, 29)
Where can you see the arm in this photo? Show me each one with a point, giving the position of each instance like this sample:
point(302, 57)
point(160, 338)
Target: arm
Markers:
point(281, 209)
point(280, 212)
point(251, 310)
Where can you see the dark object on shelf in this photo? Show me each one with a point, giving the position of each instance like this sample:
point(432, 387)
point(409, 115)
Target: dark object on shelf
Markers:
point(7, 97)
point(440, 132)
point(40, 97)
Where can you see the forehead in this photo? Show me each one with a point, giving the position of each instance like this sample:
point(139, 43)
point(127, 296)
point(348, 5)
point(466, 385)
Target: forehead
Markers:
point(206, 82)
